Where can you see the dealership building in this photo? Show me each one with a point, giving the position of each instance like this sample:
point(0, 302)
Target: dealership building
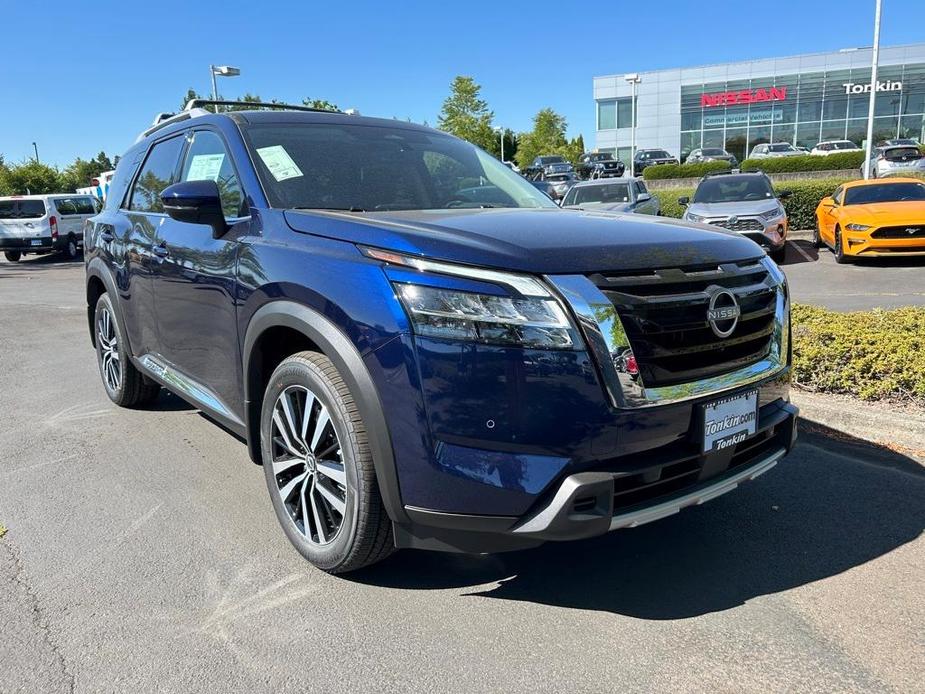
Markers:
point(802, 100)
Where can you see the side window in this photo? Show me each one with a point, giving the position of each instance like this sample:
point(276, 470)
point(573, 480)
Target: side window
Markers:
point(156, 174)
point(208, 160)
point(640, 188)
point(66, 206)
point(836, 196)
point(85, 205)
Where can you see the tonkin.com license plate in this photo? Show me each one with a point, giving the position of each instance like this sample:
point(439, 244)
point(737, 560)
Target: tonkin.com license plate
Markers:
point(729, 421)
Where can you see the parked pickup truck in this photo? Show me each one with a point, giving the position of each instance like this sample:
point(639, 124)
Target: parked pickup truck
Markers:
point(418, 364)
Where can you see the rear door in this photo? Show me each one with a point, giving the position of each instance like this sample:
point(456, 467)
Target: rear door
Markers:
point(70, 221)
point(195, 281)
point(24, 223)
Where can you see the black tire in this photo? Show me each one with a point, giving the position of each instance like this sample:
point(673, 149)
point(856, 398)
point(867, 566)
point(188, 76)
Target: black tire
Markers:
point(71, 250)
point(364, 533)
point(13, 256)
point(839, 250)
point(124, 384)
point(817, 237)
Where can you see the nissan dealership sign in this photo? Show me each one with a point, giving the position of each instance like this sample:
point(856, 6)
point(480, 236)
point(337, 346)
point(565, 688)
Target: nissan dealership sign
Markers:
point(746, 96)
point(887, 86)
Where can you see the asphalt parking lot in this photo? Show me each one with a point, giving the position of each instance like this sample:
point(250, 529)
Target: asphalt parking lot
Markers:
point(142, 554)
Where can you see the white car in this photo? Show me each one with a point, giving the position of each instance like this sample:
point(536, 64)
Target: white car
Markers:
point(895, 161)
point(825, 148)
point(44, 223)
point(775, 150)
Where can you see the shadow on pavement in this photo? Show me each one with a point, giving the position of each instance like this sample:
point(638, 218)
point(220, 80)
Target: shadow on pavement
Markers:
point(37, 262)
point(800, 251)
point(832, 505)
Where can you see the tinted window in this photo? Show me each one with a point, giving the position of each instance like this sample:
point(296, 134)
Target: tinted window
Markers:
point(902, 153)
point(733, 189)
point(610, 192)
point(371, 168)
point(780, 148)
point(156, 174)
point(69, 206)
point(884, 192)
point(85, 205)
point(714, 152)
point(640, 189)
point(22, 209)
point(657, 154)
point(602, 156)
point(65, 206)
point(207, 160)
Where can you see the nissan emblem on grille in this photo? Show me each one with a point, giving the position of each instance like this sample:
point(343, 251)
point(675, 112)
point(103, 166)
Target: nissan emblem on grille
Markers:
point(733, 220)
point(724, 312)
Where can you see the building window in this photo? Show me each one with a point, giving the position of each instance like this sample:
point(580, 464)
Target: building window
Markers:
point(606, 115)
point(614, 114)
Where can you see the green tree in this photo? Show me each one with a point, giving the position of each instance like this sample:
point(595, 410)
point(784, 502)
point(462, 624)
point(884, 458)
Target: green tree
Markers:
point(81, 172)
point(30, 177)
point(548, 137)
point(190, 94)
point(320, 103)
point(465, 114)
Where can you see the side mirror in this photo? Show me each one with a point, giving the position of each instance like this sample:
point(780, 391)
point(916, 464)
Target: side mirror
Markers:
point(784, 194)
point(827, 202)
point(196, 202)
point(684, 200)
point(642, 197)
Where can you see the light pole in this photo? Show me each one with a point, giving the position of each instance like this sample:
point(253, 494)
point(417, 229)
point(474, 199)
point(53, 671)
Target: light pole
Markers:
point(499, 129)
point(221, 71)
point(36, 148)
point(633, 79)
point(873, 92)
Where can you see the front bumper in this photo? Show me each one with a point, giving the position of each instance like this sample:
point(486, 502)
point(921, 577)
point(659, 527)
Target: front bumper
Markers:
point(864, 244)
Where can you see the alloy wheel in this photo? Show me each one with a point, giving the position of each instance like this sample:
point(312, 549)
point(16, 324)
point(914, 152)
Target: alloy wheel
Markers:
point(108, 340)
point(308, 465)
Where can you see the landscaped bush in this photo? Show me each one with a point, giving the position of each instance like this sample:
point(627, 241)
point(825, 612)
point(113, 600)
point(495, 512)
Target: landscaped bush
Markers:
point(663, 171)
point(830, 162)
point(873, 355)
point(800, 206)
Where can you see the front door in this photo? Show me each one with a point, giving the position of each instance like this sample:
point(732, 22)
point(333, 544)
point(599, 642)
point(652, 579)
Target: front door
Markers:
point(195, 284)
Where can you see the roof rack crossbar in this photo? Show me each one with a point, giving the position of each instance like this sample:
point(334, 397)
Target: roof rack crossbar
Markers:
point(200, 103)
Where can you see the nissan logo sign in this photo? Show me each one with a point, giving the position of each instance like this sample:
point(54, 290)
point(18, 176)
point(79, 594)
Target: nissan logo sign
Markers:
point(723, 314)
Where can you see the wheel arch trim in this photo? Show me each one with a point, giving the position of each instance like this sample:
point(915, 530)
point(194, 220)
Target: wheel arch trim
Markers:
point(96, 268)
point(335, 345)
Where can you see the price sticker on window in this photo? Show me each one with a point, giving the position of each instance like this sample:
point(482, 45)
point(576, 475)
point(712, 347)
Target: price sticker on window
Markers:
point(279, 162)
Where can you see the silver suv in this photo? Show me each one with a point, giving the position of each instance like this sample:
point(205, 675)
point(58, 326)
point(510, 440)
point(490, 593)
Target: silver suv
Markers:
point(742, 202)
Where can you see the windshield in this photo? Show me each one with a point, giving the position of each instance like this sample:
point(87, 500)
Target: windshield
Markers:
point(603, 156)
point(781, 148)
point(885, 192)
point(604, 193)
point(22, 209)
point(714, 153)
point(559, 177)
point(844, 145)
point(551, 160)
point(902, 153)
point(656, 154)
point(363, 168)
point(733, 189)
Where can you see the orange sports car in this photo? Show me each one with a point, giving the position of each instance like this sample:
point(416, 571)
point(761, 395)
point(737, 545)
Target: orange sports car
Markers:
point(880, 217)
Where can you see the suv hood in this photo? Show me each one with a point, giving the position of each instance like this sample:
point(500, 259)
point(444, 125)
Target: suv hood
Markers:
point(727, 209)
point(541, 241)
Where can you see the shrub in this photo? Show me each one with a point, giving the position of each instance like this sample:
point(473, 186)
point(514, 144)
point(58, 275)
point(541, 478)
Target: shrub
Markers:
point(830, 162)
point(800, 206)
point(872, 355)
point(697, 170)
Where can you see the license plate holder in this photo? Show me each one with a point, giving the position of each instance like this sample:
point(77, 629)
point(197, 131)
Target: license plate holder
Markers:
point(729, 421)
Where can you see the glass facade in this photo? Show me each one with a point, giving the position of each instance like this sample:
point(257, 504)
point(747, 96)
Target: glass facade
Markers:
point(803, 109)
point(615, 113)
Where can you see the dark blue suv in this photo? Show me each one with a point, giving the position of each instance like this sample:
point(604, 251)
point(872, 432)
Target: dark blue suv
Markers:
point(419, 347)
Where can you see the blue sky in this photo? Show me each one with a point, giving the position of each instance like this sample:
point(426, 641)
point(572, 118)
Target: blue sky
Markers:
point(81, 77)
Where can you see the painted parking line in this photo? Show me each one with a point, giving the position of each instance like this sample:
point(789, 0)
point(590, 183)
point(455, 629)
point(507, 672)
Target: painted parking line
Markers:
point(799, 250)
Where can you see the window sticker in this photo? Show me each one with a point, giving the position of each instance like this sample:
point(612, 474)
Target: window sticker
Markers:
point(205, 167)
point(279, 162)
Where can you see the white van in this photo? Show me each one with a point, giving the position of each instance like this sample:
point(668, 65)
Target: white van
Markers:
point(43, 223)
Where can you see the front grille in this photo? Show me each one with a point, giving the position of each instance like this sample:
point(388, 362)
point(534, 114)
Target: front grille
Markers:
point(664, 313)
point(911, 231)
point(739, 224)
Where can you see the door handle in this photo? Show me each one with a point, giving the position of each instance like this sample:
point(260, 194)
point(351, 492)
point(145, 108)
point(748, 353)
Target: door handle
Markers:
point(161, 251)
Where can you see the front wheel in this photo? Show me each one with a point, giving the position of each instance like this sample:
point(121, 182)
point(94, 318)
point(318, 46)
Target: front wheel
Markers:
point(13, 256)
point(838, 249)
point(319, 469)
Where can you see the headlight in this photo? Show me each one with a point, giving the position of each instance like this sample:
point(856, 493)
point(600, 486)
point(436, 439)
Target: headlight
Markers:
point(857, 227)
point(772, 213)
point(691, 217)
point(529, 316)
point(501, 320)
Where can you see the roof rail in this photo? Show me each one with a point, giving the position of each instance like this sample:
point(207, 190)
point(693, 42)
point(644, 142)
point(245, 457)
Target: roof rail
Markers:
point(162, 120)
point(199, 103)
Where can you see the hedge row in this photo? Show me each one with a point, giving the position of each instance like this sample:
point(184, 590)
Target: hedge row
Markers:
point(830, 162)
point(872, 355)
point(800, 206)
point(663, 171)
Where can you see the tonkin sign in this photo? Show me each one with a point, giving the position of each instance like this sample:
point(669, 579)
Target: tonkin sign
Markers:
point(886, 86)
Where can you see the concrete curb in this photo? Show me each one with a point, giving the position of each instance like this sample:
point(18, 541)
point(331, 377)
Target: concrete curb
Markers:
point(876, 423)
